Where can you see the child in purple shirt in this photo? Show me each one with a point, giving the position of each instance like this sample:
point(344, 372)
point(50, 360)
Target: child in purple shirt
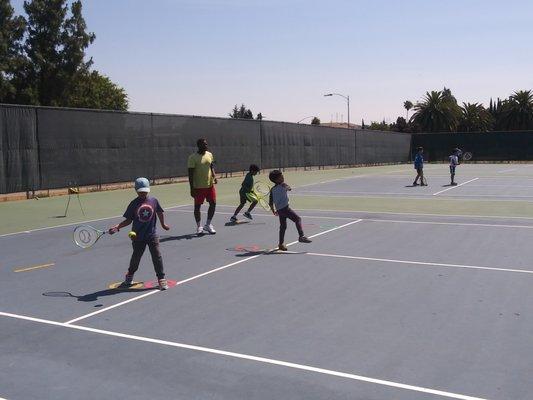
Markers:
point(144, 212)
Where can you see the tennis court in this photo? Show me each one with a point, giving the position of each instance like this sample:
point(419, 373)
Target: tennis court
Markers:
point(405, 293)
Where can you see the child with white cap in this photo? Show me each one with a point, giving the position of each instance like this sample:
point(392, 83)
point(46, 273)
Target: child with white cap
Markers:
point(144, 211)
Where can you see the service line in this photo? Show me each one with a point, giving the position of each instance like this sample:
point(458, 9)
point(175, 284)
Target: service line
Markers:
point(142, 296)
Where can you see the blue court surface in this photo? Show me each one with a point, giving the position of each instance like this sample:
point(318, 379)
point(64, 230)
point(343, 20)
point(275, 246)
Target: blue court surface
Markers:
point(381, 305)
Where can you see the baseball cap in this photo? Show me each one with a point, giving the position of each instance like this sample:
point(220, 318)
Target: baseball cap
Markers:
point(142, 185)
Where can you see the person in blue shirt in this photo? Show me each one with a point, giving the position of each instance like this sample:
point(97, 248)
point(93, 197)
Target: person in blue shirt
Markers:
point(144, 211)
point(419, 166)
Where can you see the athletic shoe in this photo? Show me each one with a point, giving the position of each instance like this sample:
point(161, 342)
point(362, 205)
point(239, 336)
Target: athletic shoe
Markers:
point(163, 285)
point(200, 230)
point(282, 247)
point(233, 219)
point(415, 184)
point(454, 184)
point(248, 215)
point(303, 239)
point(128, 280)
point(209, 228)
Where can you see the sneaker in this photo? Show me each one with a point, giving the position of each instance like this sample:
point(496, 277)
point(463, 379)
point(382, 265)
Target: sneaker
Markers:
point(248, 215)
point(163, 285)
point(415, 184)
point(233, 219)
point(209, 228)
point(303, 239)
point(128, 280)
point(200, 230)
point(282, 247)
point(454, 184)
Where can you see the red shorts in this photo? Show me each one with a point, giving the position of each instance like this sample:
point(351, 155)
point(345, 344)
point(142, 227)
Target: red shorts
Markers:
point(209, 194)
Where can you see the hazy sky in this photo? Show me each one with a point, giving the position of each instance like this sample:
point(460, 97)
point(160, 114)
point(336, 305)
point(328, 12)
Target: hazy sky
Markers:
point(279, 57)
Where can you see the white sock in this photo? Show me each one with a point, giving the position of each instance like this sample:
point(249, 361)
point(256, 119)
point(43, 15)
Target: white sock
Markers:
point(199, 223)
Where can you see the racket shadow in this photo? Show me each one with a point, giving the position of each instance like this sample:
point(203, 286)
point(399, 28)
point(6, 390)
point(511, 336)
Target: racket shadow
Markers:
point(89, 297)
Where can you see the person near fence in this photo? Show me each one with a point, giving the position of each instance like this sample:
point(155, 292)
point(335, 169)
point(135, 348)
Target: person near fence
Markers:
point(419, 166)
point(202, 180)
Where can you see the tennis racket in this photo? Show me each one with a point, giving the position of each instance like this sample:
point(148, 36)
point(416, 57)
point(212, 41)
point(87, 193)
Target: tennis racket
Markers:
point(262, 191)
point(85, 236)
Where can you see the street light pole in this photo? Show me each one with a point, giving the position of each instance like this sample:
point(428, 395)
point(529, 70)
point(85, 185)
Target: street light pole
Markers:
point(347, 98)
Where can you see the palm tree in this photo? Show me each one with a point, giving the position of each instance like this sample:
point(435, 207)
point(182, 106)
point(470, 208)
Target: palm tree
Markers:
point(475, 118)
point(437, 113)
point(407, 105)
point(517, 111)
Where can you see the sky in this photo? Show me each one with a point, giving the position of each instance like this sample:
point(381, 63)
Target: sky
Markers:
point(279, 57)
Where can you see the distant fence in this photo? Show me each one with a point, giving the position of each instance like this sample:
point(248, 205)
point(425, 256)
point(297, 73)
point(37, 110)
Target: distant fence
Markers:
point(48, 148)
point(484, 146)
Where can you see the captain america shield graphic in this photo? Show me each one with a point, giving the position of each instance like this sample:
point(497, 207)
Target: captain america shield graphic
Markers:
point(145, 212)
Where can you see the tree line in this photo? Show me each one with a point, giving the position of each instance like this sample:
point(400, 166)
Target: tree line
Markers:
point(43, 60)
point(439, 111)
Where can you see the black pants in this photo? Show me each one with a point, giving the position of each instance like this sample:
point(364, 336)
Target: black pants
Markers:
point(283, 214)
point(138, 251)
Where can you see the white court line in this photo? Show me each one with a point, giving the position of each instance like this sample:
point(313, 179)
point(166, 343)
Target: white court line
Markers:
point(507, 170)
point(430, 264)
point(449, 223)
point(413, 214)
point(77, 223)
point(269, 215)
point(377, 174)
point(198, 276)
point(396, 221)
point(248, 357)
point(453, 187)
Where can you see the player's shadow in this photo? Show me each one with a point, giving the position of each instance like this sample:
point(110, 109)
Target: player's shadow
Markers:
point(188, 236)
point(96, 295)
point(449, 185)
point(273, 252)
point(237, 223)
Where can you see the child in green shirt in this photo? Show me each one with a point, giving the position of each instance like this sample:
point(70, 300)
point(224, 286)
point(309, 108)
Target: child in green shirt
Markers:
point(247, 189)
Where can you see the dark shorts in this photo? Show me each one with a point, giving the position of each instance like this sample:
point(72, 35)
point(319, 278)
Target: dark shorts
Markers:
point(209, 194)
point(420, 170)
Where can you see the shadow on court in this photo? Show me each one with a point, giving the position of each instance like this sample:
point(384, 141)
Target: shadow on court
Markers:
point(188, 236)
point(96, 295)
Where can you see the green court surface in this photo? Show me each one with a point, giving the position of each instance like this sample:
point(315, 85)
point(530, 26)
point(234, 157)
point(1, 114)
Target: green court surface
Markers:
point(24, 215)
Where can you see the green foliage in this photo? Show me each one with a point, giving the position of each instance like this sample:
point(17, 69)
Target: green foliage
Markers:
point(11, 59)
point(517, 111)
point(401, 125)
point(438, 112)
point(51, 69)
point(259, 117)
point(379, 126)
point(407, 105)
point(92, 90)
point(315, 121)
point(475, 118)
point(241, 112)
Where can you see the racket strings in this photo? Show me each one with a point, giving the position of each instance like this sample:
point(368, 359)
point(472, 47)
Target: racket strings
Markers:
point(85, 236)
